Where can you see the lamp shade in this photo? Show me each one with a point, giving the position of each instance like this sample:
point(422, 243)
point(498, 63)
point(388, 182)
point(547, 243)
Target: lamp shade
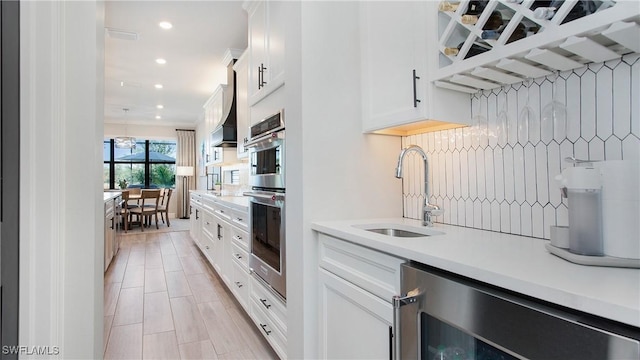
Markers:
point(184, 170)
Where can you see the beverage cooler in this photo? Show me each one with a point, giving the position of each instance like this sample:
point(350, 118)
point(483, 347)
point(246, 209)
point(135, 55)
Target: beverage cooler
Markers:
point(443, 316)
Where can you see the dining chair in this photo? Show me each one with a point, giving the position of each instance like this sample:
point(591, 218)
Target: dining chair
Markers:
point(144, 212)
point(125, 209)
point(163, 207)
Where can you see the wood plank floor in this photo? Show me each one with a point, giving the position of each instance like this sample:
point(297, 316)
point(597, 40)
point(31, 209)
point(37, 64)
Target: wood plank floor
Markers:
point(162, 300)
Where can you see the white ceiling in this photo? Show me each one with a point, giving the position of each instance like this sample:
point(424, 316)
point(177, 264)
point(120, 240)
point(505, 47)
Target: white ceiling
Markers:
point(193, 49)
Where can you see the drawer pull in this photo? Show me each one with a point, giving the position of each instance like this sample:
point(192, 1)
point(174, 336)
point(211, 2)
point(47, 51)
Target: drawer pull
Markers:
point(238, 256)
point(264, 328)
point(239, 284)
point(264, 302)
point(208, 223)
point(239, 238)
point(206, 247)
point(239, 219)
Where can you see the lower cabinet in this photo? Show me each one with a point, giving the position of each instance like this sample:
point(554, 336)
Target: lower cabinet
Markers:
point(269, 313)
point(354, 324)
point(222, 235)
point(111, 235)
point(356, 285)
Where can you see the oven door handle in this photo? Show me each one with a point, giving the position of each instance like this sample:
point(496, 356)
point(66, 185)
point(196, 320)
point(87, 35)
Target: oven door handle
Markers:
point(398, 302)
point(268, 196)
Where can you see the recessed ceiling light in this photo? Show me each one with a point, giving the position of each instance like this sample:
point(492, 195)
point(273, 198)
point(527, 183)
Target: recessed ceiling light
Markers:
point(158, 86)
point(165, 25)
point(160, 107)
point(161, 61)
point(158, 117)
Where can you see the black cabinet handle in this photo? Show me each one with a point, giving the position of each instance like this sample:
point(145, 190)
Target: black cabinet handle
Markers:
point(190, 209)
point(264, 326)
point(415, 95)
point(390, 343)
point(196, 214)
point(112, 223)
point(219, 232)
point(264, 302)
point(238, 284)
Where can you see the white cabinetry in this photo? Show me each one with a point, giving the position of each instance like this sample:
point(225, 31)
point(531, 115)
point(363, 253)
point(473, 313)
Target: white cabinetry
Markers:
point(355, 312)
point(397, 62)
point(270, 315)
point(266, 48)
point(224, 240)
point(195, 217)
point(110, 239)
point(213, 113)
point(241, 68)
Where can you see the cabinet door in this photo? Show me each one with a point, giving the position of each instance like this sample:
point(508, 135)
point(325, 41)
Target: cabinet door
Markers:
point(108, 239)
point(393, 47)
point(257, 44)
point(274, 75)
point(242, 104)
point(354, 324)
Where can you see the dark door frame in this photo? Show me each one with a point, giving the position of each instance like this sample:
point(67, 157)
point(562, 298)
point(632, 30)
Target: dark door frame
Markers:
point(9, 175)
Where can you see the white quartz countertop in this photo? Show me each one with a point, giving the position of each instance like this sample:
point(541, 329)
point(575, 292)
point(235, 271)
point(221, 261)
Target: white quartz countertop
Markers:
point(235, 202)
point(517, 263)
point(110, 195)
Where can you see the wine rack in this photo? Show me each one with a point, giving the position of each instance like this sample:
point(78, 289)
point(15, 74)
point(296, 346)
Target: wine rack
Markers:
point(469, 63)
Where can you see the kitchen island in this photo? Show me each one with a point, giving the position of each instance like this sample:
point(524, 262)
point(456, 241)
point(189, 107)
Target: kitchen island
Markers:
point(516, 263)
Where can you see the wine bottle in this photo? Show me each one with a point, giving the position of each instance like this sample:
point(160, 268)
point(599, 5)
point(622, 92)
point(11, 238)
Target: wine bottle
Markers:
point(447, 6)
point(476, 49)
point(521, 31)
point(496, 21)
point(580, 9)
point(476, 7)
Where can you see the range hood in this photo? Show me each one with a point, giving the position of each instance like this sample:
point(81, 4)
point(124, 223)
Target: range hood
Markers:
point(226, 133)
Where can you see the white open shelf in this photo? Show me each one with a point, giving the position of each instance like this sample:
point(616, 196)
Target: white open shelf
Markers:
point(609, 33)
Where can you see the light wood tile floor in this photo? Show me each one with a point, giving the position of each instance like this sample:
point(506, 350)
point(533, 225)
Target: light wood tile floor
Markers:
point(164, 301)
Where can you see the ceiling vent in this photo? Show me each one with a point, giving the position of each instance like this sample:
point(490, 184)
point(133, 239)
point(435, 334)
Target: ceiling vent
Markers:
point(121, 34)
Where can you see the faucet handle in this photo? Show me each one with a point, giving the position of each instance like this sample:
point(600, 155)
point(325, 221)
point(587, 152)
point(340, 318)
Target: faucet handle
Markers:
point(436, 212)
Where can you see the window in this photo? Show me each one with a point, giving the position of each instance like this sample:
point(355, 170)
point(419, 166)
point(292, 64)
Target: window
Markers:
point(151, 164)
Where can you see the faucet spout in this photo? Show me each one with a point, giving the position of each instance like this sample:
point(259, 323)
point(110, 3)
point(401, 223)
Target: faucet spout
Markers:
point(428, 209)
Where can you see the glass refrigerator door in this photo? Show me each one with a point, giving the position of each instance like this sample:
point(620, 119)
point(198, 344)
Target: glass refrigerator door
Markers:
point(441, 341)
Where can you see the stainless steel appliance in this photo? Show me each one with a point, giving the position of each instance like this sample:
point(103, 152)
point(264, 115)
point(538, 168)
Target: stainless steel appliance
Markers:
point(444, 316)
point(267, 153)
point(268, 240)
point(267, 202)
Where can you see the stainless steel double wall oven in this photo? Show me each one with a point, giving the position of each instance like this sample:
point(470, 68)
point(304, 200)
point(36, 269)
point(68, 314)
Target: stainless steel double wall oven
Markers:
point(267, 201)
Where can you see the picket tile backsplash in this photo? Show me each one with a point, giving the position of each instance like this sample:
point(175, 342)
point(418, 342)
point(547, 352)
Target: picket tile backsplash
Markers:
point(499, 175)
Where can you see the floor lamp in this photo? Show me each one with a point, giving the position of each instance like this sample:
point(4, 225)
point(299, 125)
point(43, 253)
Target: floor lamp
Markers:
point(184, 171)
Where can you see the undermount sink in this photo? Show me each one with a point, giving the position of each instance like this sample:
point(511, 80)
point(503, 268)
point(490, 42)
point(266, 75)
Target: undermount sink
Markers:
point(399, 230)
point(396, 232)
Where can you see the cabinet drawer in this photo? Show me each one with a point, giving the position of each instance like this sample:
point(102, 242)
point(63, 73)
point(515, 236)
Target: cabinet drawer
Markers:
point(270, 304)
point(240, 256)
point(223, 212)
point(209, 225)
point(371, 270)
point(240, 219)
point(276, 339)
point(240, 237)
point(240, 284)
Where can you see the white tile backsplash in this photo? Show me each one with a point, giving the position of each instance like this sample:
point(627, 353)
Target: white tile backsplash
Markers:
point(490, 176)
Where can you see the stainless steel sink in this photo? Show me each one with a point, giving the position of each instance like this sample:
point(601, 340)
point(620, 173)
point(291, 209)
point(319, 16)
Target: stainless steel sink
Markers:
point(396, 232)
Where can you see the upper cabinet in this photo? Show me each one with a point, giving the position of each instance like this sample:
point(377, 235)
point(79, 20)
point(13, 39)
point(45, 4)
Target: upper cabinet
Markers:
point(212, 118)
point(488, 44)
point(241, 68)
point(266, 48)
point(399, 56)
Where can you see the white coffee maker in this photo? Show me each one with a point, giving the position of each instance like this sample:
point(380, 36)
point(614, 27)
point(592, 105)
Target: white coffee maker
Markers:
point(604, 207)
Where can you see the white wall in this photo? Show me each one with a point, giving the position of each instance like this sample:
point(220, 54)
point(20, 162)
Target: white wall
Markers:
point(333, 170)
point(61, 210)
